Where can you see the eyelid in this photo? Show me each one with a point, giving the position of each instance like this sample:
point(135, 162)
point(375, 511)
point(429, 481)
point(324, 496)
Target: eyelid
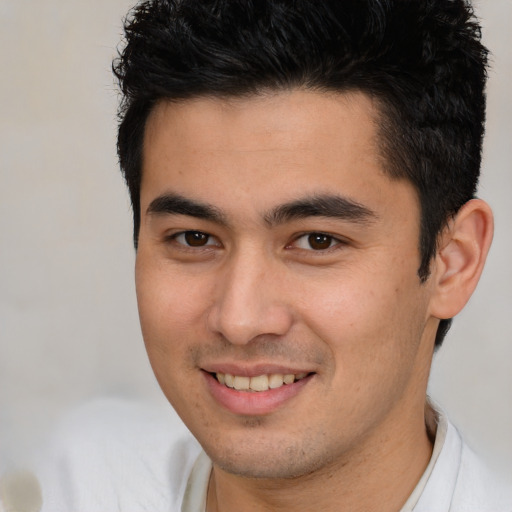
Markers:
point(338, 241)
point(211, 238)
point(213, 241)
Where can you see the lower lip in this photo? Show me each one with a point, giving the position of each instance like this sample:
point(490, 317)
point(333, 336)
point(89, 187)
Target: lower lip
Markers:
point(254, 403)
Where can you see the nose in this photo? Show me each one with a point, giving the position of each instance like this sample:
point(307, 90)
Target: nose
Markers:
point(250, 301)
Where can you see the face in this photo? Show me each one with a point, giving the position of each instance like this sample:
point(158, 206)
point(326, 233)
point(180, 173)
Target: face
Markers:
point(277, 280)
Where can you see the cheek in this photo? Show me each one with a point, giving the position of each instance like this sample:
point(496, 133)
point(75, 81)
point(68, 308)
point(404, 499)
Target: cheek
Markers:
point(346, 305)
point(368, 319)
point(373, 334)
point(171, 309)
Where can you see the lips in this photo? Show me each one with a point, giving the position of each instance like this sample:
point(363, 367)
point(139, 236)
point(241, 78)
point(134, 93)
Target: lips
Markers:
point(256, 390)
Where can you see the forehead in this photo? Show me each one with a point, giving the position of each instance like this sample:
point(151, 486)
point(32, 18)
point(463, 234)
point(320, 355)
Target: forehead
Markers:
point(267, 149)
point(293, 120)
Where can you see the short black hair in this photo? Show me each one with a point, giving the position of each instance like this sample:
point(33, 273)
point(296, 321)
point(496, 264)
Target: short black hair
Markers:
point(421, 60)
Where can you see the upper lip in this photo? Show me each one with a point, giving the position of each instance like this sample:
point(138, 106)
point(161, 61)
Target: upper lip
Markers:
point(254, 370)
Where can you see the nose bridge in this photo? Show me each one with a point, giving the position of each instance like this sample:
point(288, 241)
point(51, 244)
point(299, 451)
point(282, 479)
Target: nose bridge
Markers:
point(249, 302)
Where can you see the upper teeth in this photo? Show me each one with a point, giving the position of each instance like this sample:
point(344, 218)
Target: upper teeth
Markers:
point(259, 383)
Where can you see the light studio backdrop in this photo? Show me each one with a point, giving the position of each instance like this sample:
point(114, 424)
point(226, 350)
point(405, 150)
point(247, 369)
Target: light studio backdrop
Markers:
point(68, 320)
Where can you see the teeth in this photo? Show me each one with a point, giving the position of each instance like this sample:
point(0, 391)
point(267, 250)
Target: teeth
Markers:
point(288, 379)
point(259, 383)
point(275, 381)
point(242, 383)
point(229, 380)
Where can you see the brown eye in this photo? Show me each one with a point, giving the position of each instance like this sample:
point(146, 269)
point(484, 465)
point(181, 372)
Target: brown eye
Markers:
point(319, 241)
point(316, 241)
point(196, 238)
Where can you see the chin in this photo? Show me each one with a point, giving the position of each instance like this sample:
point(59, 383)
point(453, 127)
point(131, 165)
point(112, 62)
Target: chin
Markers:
point(263, 470)
point(286, 462)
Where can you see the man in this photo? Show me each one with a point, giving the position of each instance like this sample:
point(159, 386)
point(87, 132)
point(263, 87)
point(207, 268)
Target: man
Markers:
point(303, 180)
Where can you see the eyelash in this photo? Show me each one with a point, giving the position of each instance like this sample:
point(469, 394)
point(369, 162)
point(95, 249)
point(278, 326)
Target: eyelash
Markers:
point(321, 238)
point(186, 244)
point(333, 242)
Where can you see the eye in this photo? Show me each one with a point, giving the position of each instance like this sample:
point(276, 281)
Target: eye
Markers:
point(195, 239)
point(316, 242)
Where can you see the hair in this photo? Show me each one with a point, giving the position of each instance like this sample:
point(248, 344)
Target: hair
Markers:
point(421, 60)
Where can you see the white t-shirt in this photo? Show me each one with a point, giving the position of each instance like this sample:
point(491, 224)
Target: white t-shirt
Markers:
point(125, 457)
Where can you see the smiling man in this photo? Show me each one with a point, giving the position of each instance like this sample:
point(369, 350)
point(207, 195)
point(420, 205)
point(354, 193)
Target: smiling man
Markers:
point(303, 180)
point(280, 300)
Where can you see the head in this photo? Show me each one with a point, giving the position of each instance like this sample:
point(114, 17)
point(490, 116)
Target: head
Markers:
point(301, 176)
point(421, 61)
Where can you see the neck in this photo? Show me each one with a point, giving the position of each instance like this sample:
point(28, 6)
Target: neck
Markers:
point(380, 476)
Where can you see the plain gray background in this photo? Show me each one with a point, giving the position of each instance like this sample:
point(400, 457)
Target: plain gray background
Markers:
point(68, 321)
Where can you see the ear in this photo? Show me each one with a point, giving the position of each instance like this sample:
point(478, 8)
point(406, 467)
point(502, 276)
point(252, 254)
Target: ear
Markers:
point(460, 258)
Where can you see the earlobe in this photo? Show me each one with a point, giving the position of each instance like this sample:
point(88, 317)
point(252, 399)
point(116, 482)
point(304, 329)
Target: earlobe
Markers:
point(460, 258)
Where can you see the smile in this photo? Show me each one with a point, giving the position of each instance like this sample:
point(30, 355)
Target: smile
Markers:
point(258, 383)
point(256, 391)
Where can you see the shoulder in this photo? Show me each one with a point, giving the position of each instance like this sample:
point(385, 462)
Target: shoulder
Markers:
point(480, 488)
point(459, 480)
point(117, 455)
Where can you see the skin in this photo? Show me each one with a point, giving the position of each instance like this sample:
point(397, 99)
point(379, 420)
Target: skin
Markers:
point(253, 292)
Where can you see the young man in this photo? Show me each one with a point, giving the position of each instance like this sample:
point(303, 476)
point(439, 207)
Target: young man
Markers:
point(303, 180)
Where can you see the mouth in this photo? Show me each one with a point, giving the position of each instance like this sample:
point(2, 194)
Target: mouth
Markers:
point(258, 383)
point(255, 391)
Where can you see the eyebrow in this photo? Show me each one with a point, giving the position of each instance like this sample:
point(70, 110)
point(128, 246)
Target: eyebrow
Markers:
point(334, 206)
point(175, 204)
